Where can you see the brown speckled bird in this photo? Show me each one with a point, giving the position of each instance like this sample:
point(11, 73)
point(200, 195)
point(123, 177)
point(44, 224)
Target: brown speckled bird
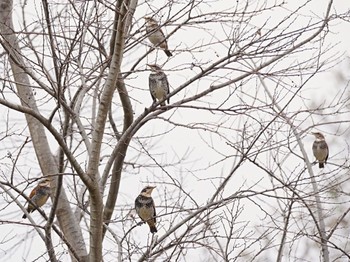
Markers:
point(156, 35)
point(158, 84)
point(320, 149)
point(145, 208)
point(39, 195)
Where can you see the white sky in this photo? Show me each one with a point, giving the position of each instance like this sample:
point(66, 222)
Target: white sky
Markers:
point(177, 143)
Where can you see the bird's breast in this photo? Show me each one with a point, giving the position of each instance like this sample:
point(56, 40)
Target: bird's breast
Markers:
point(145, 212)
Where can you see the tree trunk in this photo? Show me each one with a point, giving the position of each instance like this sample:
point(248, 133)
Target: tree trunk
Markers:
point(46, 160)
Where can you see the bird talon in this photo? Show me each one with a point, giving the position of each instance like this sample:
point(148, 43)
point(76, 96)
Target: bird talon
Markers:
point(140, 223)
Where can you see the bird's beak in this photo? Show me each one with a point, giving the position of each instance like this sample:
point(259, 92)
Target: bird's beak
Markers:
point(150, 66)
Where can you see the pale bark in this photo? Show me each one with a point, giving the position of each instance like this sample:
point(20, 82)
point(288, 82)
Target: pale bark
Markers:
point(121, 27)
point(45, 158)
point(96, 222)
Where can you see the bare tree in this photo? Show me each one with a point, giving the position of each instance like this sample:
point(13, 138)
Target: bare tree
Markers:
point(234, 177)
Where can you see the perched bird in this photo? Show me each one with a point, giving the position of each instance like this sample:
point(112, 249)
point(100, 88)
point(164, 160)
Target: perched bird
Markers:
point(320, 149)
point(158, 84)
point(39, 195)
point(156, 35)
point(145, 208)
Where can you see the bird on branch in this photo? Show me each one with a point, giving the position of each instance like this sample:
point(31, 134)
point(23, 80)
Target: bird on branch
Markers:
point(320, 149)
point(145, 208)
point(156, 35)
point(158, 84)
point(39, 195)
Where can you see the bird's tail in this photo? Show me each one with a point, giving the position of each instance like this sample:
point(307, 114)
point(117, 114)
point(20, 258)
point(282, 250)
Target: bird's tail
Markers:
point(167, 52)
point(30, 209)
point(152, 227)
point(321, 165)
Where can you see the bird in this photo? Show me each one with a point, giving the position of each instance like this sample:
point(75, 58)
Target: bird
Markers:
point(320, 149)
point(145, 208)
point(39, 195)
point(156, 35)
point(158, 84)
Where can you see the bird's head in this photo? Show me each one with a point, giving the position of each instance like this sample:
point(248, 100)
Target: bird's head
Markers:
point(147, 191)
point(150, 20)
point(154, 67)
point(45, 182)
point(318, 135)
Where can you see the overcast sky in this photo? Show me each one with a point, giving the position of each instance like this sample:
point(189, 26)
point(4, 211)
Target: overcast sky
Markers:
point(178, 143)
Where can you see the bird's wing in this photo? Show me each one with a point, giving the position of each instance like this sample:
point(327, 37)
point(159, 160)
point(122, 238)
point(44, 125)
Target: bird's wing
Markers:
point(166, 83)
point(152, 84)
point(137, 203)
point(32, 193)
point(154, 211)
point(155, 28)
point(326, 146)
